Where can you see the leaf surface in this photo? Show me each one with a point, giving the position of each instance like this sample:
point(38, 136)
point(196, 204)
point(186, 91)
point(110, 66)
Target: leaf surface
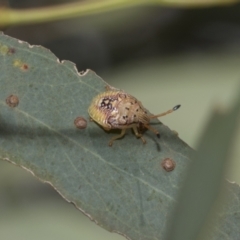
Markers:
point(123, 188)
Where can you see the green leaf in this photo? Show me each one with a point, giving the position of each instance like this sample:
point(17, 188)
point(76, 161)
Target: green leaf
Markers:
point(123, 188)
point(201, 212)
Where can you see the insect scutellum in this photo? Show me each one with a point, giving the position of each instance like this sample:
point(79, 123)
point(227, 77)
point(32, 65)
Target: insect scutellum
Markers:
point(116, 109)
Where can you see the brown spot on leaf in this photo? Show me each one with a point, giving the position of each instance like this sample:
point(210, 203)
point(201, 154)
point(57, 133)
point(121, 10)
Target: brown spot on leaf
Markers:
point(21, 65)
point(168, 164)
point(25, 67)
point(80, 122)
point(11, 51)
point(12, 101)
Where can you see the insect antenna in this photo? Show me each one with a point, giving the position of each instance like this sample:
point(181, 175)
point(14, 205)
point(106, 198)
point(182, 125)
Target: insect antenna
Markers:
point(165, 113)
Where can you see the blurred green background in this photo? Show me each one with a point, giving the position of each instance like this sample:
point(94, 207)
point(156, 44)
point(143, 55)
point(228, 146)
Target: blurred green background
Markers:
point(162, 56)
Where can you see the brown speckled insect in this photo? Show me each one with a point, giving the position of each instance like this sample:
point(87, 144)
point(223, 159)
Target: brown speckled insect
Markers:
point(116, 109)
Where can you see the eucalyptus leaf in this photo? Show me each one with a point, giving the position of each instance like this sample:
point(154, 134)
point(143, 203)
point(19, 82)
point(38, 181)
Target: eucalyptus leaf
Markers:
point(208, 206)
point(123, 188)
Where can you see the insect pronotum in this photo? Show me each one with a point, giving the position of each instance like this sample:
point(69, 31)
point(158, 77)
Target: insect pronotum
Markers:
point(116, 109)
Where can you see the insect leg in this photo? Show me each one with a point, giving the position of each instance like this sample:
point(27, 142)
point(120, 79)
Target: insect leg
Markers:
point(138, 134)
point(117, 137)
point(152, 129)
point(109, 88)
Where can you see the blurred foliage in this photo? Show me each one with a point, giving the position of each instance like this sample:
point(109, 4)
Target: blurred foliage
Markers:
point(202, 190)
point(10, 16)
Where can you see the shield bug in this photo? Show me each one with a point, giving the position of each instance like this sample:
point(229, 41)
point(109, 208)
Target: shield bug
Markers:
point(116, 109)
